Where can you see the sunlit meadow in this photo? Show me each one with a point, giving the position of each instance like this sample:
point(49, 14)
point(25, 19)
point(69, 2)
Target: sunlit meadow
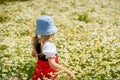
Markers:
point(88, 39)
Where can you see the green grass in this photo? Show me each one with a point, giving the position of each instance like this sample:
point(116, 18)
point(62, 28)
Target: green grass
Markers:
point(88, 39)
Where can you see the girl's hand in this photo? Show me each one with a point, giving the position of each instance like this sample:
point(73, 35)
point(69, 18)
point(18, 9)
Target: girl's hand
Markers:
point(71, 75)
point(34, 54)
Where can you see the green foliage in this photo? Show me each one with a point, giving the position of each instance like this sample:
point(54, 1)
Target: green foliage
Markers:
point(88, 39)
point(3, 1)
point(84, 17)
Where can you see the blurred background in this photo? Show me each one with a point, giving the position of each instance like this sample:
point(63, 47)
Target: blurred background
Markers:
point(88, 39)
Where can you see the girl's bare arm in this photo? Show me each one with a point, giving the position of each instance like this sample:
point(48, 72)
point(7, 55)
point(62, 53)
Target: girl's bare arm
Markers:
point(58, 67)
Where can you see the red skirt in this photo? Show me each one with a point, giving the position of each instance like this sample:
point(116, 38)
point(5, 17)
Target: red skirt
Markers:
point(43, 70)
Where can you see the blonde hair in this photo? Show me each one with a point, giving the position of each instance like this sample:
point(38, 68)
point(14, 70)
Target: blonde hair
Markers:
point(35, 42)
point(36, 39)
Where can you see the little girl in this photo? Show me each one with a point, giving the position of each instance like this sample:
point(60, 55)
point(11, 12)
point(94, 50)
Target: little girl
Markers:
point(46, 51)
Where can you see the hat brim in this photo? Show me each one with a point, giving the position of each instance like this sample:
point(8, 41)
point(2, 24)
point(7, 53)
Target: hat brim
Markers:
point(47, 32)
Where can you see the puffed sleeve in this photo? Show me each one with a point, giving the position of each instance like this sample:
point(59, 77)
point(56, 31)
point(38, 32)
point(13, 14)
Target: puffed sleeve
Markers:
point(49, 49)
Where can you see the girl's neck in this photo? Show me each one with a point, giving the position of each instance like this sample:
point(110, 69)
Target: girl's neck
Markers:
point(43, 41)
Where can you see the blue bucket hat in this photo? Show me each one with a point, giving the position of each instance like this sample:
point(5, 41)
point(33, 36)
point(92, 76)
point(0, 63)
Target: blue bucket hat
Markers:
point(45, 26)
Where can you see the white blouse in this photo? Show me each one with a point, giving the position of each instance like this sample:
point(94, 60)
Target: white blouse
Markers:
point(49, 49)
